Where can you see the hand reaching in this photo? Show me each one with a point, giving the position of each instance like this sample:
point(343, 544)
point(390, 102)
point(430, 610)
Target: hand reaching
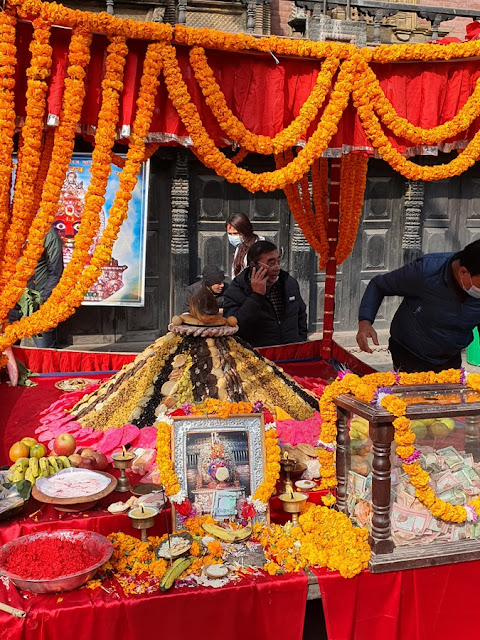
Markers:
point(365, 331)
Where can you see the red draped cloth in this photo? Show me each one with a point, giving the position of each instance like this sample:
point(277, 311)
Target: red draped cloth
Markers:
point(265, 96)
point(434, 603)
point(263, 608)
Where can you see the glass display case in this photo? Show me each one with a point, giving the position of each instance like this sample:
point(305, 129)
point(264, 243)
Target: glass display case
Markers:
point(375, 492)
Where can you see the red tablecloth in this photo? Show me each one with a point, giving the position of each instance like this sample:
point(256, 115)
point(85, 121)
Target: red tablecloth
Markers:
point(261, 609)
point(434, 603)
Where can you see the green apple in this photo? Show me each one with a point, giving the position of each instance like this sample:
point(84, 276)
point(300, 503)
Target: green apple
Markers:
point(449, 422)
point(439, 429)
point(419, 429)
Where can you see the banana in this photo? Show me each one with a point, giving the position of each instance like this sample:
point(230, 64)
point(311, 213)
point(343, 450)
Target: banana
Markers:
point(227, 535)
point(22, 464)
point(59, 463)
point(243, 533)
point(18, 475)
point(34, 467)
point(52, 461)
point(30, 477)
point(65, 461)
point(51, 470)
point(43, 462)
point(174, 572)
point(10, 474)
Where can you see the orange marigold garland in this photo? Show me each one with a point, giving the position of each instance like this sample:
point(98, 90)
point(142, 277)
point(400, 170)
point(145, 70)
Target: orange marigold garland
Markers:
point(352, 193)
point(365, 389)
point(79, 56)
point(7, 116)
point(49, 313)
point(236, 130)
point(29, 161)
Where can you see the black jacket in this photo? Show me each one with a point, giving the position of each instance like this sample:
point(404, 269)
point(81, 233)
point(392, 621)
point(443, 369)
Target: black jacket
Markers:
point(257, 320)
point(194, 288)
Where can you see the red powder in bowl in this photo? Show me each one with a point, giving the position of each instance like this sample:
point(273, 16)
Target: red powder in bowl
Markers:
point(49, 558)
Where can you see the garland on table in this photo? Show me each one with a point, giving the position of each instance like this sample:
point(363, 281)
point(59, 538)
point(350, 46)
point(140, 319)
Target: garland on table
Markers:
point(222, 409)
point(371, 388)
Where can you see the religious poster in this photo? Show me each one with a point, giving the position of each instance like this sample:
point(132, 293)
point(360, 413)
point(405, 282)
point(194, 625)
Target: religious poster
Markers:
point(122, 282)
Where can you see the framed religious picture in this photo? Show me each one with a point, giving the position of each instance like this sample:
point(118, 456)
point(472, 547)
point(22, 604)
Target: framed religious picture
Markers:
point(122, 282)
point(219, 462)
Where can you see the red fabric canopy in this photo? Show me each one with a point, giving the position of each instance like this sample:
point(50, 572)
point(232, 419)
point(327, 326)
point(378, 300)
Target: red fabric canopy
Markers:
point(266, 96)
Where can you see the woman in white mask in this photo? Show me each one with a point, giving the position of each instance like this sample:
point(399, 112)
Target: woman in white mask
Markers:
point(241, 236)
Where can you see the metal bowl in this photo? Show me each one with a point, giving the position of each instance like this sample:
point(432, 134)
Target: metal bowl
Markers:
point(92, 540)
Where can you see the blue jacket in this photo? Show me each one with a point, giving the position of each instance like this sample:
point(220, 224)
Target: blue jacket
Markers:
point(436, 318)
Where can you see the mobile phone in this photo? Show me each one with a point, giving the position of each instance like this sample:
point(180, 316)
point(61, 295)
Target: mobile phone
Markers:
point(258, 267)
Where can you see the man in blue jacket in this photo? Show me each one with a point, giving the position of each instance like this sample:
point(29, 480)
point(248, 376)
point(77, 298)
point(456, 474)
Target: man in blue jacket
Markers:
point(266, 300)
point(440, 309)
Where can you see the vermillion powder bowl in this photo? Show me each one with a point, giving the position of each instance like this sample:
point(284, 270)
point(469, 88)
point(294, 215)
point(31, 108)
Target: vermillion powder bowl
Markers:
point(99, 545)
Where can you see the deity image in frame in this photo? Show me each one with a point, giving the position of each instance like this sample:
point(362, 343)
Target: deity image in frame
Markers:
point(219, 462)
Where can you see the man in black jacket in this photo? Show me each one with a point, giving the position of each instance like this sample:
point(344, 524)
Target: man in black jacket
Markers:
point(266, 300)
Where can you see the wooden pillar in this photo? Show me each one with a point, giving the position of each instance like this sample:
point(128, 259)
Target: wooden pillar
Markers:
point(180, 246)
point(342, 461)
point(331, 268)
point(380, 538)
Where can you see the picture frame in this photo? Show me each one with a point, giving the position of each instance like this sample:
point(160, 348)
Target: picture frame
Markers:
point(219, 462)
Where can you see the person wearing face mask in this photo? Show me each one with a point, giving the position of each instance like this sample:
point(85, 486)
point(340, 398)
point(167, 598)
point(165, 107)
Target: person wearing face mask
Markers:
point(241, 236)
point(435, 320)
point(266, 300)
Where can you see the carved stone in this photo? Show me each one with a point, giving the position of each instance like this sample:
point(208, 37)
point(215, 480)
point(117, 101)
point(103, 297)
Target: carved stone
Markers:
point(412, 233)
point(180, 248)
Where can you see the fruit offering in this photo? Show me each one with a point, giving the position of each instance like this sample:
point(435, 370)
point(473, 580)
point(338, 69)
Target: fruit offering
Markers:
point(33, 468)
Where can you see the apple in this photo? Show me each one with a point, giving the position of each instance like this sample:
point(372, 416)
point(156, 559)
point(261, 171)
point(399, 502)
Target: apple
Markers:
point(75, 459)
point(64, 444)
point(86, 451)
point(88, 462)
point(449, 422)
point(102, 462)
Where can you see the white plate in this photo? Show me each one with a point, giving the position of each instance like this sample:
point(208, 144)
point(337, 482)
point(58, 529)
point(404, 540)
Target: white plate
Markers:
point(73, 483)
point(305, 484)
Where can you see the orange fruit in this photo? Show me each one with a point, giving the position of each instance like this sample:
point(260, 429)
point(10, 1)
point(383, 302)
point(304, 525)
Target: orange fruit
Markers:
point(37, 451)
point(18, 450)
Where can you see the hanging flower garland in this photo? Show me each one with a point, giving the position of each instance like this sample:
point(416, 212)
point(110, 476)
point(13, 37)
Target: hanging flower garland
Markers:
point(79, 56)
point(410, 170)
point(119, 161)
point(366, 389)
point(215, 159)
point(237, 131)
point(29, 162)
point(402, 128)
point(221, 409)
point(49, 313)
point(7, 117)
point(352, 193)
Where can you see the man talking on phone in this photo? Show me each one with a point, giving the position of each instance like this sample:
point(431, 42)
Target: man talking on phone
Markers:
point(266, 300)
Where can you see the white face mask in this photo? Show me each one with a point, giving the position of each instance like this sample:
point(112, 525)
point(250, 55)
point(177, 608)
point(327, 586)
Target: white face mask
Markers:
point(473, 290)
point(234, 240)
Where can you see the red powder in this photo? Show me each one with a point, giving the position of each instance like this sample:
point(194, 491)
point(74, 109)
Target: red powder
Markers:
point(47, 558)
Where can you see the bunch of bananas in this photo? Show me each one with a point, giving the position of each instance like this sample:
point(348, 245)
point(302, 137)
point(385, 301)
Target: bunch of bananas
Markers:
point(32, 468)
point(228, 535)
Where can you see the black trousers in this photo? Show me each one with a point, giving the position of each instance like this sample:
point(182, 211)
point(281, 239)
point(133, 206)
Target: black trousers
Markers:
point(404, 360)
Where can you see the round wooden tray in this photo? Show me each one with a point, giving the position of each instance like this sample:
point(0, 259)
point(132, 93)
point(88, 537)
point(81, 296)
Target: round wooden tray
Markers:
point(76, 504)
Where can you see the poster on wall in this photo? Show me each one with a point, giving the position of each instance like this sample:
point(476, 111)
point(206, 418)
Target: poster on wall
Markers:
point(122, 282)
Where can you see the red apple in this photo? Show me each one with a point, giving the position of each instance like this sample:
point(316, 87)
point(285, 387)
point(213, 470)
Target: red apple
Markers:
point(102, 462)
point(75, 459)
point(86, 451)
point(88, 462)
point(64, 444)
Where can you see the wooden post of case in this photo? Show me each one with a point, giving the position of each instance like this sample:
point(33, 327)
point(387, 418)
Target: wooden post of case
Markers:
point(331, 268)
point(382, 437)
point(342, 458)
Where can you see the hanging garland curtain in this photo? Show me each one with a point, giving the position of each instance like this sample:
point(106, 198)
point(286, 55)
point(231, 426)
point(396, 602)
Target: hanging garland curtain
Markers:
point(344, 72)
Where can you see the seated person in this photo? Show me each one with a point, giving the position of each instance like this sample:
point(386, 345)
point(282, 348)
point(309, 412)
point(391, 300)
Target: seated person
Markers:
point(213, 279)
point(266, 300)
